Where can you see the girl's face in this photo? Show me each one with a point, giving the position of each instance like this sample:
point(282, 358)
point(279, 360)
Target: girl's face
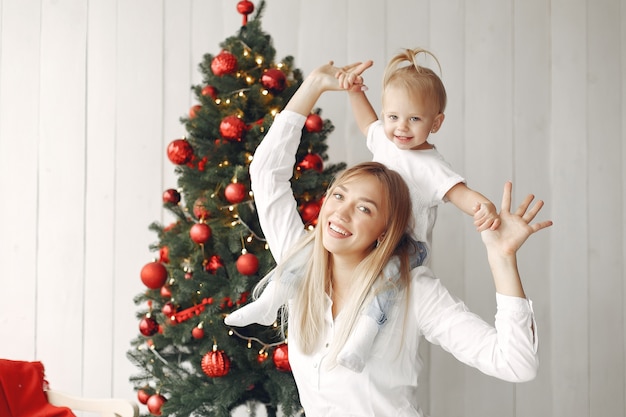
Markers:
point(353, 217)
point(409, 118)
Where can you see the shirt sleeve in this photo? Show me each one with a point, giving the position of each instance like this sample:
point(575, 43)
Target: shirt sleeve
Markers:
point(507, 351)
point(270, 172)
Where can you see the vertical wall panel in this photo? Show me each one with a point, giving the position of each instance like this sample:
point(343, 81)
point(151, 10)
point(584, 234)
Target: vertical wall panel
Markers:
point(100, 303)
point(531, 134)
point(61, 163)
point(569, 265)
point(20, 36)
point(606, 283)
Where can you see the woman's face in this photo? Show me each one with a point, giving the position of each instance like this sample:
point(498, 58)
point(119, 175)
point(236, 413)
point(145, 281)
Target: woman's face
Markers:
point(353, 217)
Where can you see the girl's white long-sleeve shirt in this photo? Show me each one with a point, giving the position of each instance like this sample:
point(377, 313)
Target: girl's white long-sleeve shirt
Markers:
point(388, 384)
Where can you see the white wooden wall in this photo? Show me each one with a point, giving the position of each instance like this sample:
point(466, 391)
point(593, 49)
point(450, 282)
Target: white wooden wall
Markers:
point(91, 93)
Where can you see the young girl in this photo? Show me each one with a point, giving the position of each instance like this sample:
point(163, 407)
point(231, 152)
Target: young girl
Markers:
point(362, 225)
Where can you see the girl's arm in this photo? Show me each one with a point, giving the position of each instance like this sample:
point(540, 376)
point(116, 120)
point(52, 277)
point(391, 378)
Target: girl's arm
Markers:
point(476, 205)
point(350, 78)
point(364, 113)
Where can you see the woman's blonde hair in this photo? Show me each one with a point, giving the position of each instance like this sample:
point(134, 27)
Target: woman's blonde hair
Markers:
point(414, 77)
point(308, 308)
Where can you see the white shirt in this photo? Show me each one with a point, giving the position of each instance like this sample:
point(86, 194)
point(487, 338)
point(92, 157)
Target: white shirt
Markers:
point(428, 176)
point(388, 384)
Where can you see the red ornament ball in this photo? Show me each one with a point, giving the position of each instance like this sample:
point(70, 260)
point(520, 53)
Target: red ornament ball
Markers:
point(164, 255)
point(154, 403)
point(247, 264)
point(142, 396)
point(232, 128)
point(214, 263)
point(168, 309)
point(200, 232)
point(215, 363)
point(197, 333)
point(313, 123)
point(235, 192)
point(311, 161)
point(166, 292)
point(171, 196)
point(179, 151)
point(224, 63)
point(245, 7)
point(209, 91)
point(153, 275)
point(262, 357)
point(281, 358)
point(194, 110)
point(274, 80)
point(148, 326)
point(310, 211)
point(200, 210)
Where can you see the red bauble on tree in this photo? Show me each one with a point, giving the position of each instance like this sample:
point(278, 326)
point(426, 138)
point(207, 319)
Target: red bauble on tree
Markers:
point(311, 161)
point(235, 192)
point(166, 292)
point(310, 211)
point(153, 275)
point(148, 326)
point(200, 210)
point(194, 110)
point(224, 63)
point(164, 255)
point(281, 358)
point(232, 128)
point(274, 80)
point(215, 363)
point(154, 403)
point(168, 309)
point(198, 332)
point(213, 264)
point(247, 263)
point(143, 395)
point(200, 233)
point(179, 151)
point(314, 123)
point(209, 91)
point(245, 7)
point(171, 196)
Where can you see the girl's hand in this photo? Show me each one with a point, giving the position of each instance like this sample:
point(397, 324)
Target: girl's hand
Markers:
point(486, 216)
point(350, 76)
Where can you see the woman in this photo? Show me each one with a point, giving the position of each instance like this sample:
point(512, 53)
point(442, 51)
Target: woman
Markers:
point(361, 227)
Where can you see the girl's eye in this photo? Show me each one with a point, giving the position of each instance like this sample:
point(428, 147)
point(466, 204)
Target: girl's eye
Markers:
point(337, 196)
point(392, 117)
point(365, 209)
point(415, 119)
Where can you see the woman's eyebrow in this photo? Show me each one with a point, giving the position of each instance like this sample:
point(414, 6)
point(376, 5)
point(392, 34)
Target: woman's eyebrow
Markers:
point(365, 199)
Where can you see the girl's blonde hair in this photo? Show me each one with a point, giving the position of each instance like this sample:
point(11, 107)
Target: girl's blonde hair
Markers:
point(414, 77)
point(308, 308)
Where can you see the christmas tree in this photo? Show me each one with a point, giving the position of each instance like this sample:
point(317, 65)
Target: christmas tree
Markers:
point(213, 253)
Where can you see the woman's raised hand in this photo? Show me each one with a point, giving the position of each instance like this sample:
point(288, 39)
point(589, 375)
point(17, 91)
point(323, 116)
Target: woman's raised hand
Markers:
point(515, 227)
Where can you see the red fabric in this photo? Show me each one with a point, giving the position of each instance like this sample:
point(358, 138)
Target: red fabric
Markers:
point(22, 391)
